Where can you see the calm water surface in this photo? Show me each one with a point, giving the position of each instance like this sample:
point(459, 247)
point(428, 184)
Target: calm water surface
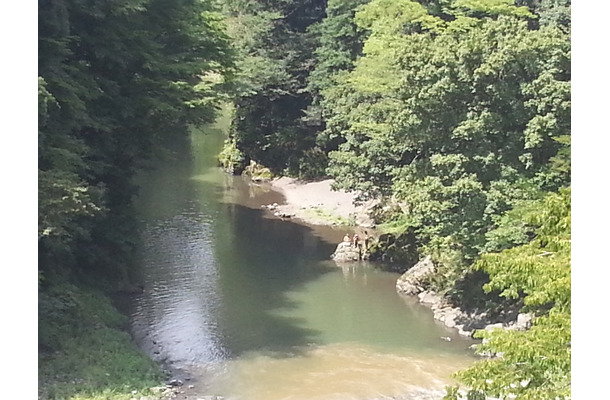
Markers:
point(250, 307)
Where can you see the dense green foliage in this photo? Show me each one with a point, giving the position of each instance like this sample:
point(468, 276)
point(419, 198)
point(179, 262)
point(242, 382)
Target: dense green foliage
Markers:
point(270, 126)
point(450, 112)
point(116, 80)
point(453, 120)
point(93, 358)
point(534, 364)
point(453, 114)
point(340, 44)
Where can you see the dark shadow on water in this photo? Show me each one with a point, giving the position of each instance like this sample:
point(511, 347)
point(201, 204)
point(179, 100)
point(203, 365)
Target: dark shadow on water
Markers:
point(268, 258)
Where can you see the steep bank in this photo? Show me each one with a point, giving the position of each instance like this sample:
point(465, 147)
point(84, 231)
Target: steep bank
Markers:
point(85, 352)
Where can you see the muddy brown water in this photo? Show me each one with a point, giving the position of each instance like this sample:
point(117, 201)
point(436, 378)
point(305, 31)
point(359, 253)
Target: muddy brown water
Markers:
point(242, 305)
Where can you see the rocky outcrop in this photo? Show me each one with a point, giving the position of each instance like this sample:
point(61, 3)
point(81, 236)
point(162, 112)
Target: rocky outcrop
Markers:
point(467, 322)
point(411, 282)
point(345, 252)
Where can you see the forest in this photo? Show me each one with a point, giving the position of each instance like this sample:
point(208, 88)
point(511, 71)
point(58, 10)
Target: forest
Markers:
point(454, 116)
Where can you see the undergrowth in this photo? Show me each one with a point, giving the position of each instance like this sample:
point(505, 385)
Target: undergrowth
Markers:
point(84, 351)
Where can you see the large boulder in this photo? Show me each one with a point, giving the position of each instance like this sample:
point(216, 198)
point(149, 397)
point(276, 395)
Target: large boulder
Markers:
point(411, 282)
point(345, 252)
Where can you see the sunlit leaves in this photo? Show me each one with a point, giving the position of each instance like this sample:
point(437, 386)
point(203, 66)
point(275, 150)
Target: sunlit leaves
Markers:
point(492, 7)
point(532, 364)
point(62, 199)
point(395, 16)
point(491, 93)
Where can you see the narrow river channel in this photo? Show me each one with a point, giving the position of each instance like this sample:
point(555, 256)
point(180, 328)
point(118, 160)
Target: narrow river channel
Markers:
point(249, 307)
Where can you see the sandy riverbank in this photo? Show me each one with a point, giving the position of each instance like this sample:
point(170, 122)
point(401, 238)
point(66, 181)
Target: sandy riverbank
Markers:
point(316, 203)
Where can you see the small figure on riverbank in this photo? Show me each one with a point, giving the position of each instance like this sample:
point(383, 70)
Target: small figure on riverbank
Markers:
point(356, 240)
point(346, 238)
point(366, 241)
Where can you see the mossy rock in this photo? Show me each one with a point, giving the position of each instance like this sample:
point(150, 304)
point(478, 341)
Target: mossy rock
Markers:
point(258, 172)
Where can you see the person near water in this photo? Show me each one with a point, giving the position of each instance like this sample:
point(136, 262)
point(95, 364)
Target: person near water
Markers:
point(367, 238)
point(356, 240)
point(346, 238)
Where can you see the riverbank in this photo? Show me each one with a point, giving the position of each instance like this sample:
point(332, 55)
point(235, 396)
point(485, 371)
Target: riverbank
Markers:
point(85, 352)
point(316, 203)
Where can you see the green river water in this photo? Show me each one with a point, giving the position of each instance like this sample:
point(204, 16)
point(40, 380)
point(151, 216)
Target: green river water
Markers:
point(250, 307)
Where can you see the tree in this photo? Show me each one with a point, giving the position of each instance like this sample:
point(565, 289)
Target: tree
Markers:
point(340, 44)
point(532, 364)
point(454, 119)
point(274, 44)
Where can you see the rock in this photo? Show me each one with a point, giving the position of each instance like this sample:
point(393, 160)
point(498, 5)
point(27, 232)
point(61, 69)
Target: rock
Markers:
point(282, 215)
point(449, 316)
point(429, 298)
point(450, 319)
point(411, 281)
point(524, 322)
point(491, 327)
point(175, 382)
point(158, 389)
point(464, 332)
point(345, 252)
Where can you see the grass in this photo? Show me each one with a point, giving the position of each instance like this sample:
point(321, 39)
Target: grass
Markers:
point(326, 215)
point(86, 355)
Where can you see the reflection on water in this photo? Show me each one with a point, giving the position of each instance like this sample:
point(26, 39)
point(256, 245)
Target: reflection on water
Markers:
point(252, 308)
point(174, 319)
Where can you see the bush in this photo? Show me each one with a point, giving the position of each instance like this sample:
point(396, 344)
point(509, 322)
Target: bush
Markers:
point(84, 353)
point(313, 164)
point(231, 158)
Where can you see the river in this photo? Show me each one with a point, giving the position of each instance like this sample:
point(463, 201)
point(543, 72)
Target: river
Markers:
point(245, 306)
